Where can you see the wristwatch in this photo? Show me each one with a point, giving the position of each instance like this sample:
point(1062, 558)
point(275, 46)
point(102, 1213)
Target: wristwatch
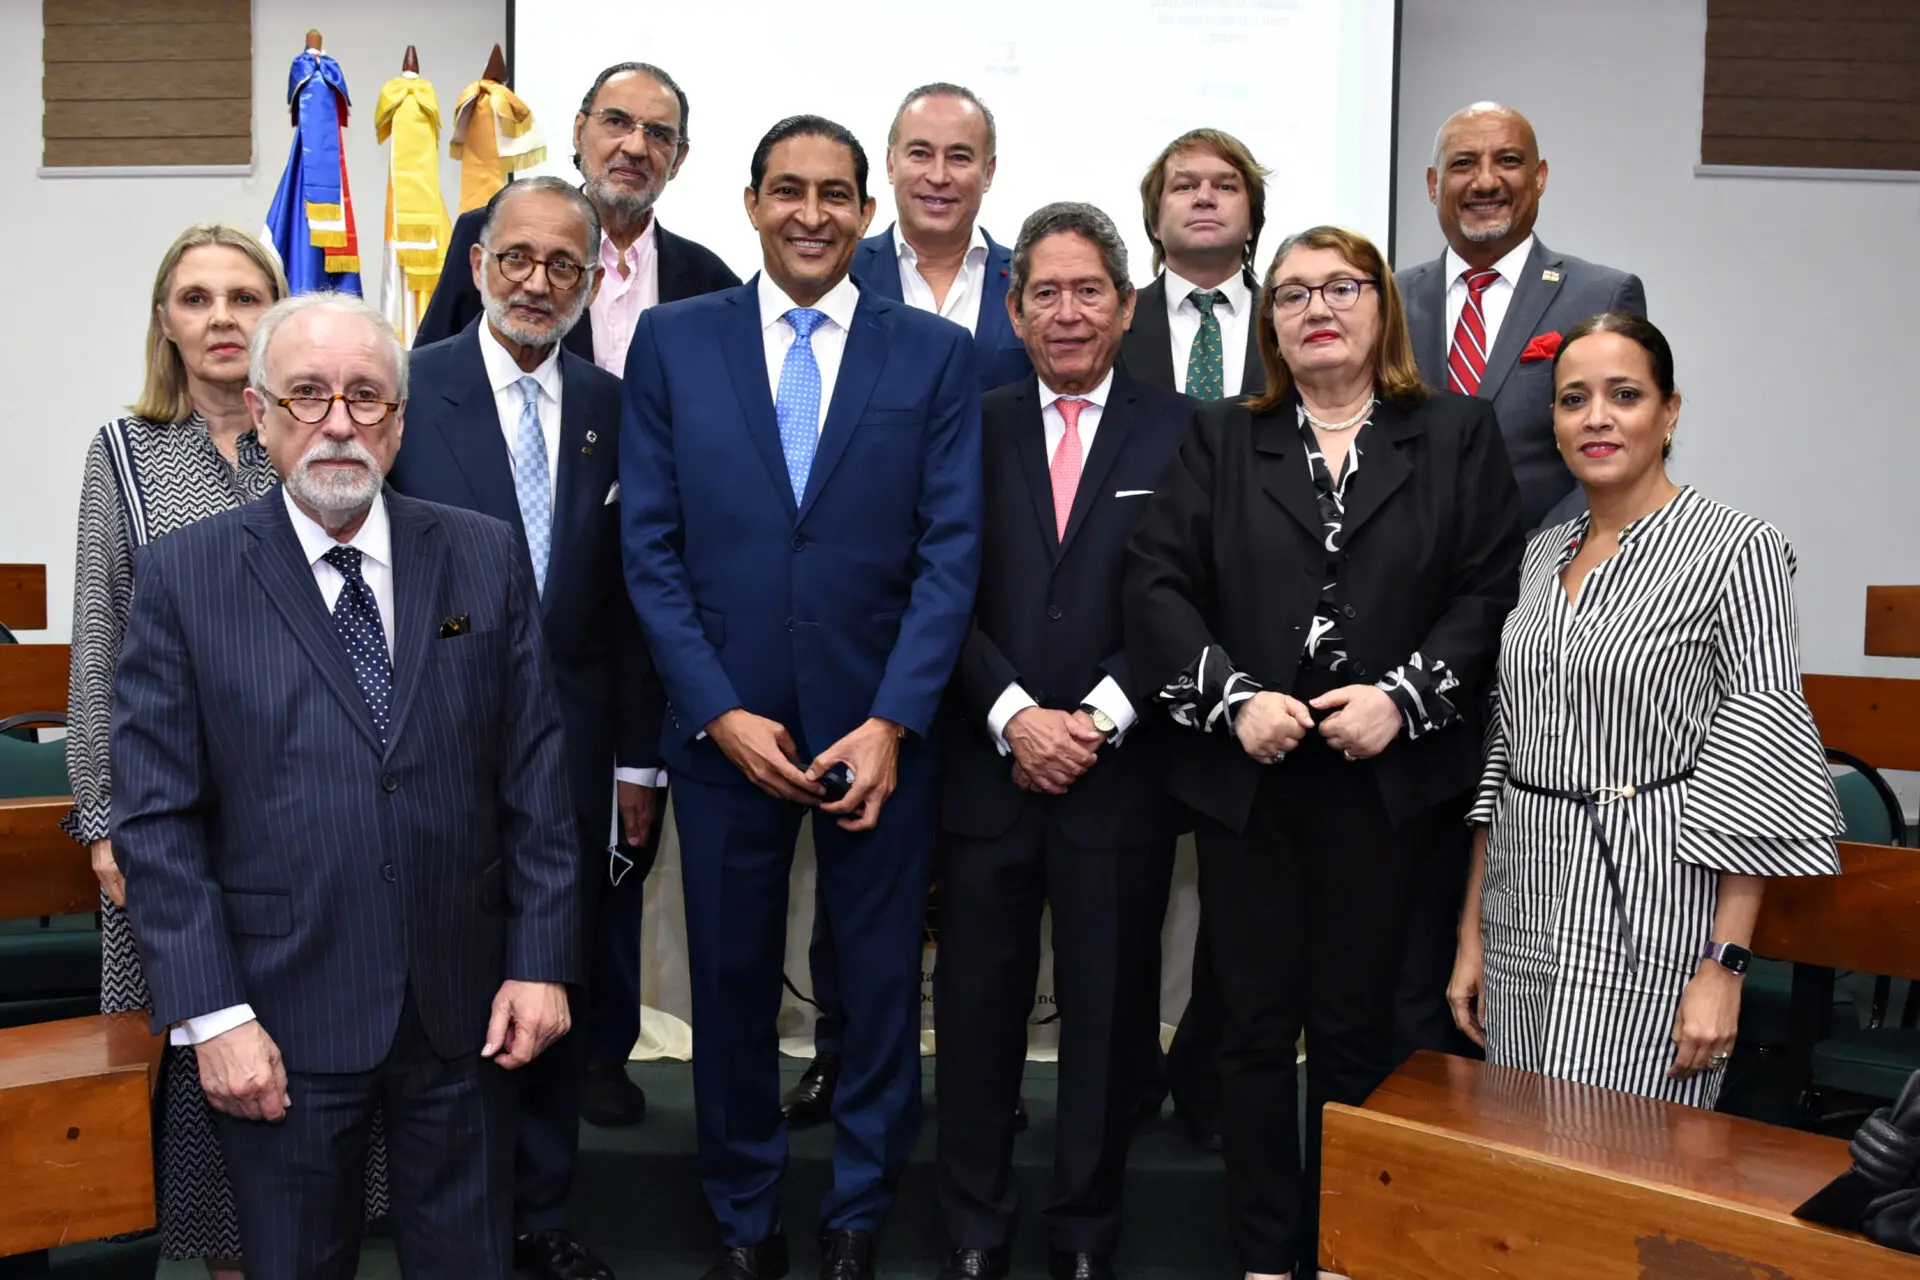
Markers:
point(1730, 955)
point(1101, 720)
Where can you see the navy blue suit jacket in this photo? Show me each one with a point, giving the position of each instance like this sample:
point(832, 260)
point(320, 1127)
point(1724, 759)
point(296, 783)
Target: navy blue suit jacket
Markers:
point(999, 354)
point(850, 604)
point(687, 270)
point(456, 453)
point(275, 854)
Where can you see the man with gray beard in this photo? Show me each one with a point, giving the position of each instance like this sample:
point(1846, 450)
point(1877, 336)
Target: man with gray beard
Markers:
point(507, 422)
point(341, 808)
point(629, 140)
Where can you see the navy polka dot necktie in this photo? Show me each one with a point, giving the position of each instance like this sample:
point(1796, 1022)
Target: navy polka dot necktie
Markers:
point(356, 617)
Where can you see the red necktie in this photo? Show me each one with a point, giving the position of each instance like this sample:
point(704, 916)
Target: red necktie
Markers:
point(1467, 359)
point(1067, 460)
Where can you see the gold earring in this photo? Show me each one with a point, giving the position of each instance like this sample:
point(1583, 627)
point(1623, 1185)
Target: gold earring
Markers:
point(1668, 442)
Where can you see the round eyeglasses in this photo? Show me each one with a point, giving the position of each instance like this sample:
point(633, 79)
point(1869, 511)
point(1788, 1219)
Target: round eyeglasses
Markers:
point(363, 408)
point(1340, 294)
point(562, 273)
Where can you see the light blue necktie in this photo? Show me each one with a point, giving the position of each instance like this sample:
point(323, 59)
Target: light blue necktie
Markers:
point(530, 484)
point(796, 404)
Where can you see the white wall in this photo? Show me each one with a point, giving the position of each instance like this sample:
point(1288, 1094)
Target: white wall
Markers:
point(82, 251)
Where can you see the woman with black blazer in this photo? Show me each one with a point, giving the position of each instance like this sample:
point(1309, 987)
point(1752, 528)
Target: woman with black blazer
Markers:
point(1317, 591)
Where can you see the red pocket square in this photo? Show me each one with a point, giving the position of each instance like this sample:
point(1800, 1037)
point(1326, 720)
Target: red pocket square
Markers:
point(1543, 347)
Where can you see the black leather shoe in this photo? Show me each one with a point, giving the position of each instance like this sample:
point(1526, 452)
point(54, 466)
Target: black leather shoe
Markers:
point(976, 1264)
point(846, 1254)
point(766, 1260)
point(1020, 1120)
point(612, 1098)
point(1078, 1266)
point(810, 1101)
point(556, 1255)
point(1202, 1131)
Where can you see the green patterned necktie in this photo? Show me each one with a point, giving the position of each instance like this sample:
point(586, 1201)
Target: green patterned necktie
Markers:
point(1203, 361)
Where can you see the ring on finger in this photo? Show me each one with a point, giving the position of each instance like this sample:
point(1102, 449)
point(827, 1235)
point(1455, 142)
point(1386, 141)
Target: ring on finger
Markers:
point(1276, 757)
point(1350, 757)
point(1719, 1060)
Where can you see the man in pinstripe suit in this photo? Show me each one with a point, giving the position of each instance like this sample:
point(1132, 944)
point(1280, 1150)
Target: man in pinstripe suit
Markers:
point(344, 821)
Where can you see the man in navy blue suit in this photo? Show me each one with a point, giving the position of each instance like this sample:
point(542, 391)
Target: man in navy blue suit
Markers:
point(505, 422)
point(940, 160)
point(342, 811)
point(800, 492)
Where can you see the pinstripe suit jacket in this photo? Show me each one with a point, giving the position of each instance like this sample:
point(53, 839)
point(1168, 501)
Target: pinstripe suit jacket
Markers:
point(276, 854)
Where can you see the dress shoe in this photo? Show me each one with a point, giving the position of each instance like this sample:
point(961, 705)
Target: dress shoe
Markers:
point(1020, 1120)
point(976, 1264)
point(556, 1255)
point(810, 1101)
point(846, 1254)
point(766, 1260)
point(612, 1098)
point(1078, 1266)
point(1202, 1131)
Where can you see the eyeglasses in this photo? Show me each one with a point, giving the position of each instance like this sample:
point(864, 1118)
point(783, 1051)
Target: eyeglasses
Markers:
point(363, 408)
point(562, 273)
point(1339, 293)
point(619, 124)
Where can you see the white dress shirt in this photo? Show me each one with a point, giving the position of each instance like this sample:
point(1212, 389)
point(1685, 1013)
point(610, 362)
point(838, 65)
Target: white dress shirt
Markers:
point(616, 309)
point(963, 295)
point(1493, 303)
point(1183, 324)
point(375, 541)
point(829, 339)
point(1106, 695)
point(503, 375)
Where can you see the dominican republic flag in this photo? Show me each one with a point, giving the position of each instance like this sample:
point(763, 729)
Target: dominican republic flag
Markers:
point(311, 222)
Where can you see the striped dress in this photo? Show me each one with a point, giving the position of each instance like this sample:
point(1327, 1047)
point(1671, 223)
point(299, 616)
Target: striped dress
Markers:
point(1682, 653)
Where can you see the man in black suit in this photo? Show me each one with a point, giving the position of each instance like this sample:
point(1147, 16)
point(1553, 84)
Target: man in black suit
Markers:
point(341, 805)
point(1204, 200)
point(508, 423)
point(1052, 789)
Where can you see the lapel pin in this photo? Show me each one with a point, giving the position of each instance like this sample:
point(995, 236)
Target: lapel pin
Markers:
point(1549, 275)
point(1003, 271)
point(588, 448)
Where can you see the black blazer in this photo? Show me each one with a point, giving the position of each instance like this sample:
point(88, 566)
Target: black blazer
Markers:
point(687, 270)
point(1146, 351)
point(1230, 554)
point(1047, 614)
point(456, 453)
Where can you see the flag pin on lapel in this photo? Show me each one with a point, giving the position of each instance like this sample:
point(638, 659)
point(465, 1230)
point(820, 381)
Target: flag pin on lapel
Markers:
point(1550, 276)
point(587, 449)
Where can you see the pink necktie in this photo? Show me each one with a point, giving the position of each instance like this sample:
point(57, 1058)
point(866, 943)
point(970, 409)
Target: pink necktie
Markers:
point(1067, 459)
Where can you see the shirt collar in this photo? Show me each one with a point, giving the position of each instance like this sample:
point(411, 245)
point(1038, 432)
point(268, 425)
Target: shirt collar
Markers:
point(1098, 396)
point(1235, 287)
point(1509, 267)
point(838, 304)
point(374, 537)
point(503, 372)
point(644, 243)
point(976, 246)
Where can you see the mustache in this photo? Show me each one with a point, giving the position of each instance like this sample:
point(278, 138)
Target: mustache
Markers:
point(338, 451)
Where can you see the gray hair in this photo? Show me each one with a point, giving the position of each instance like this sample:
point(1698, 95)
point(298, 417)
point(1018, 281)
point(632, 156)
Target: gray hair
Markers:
point(1069, 217)
point(322, 300)
point(554, 186)
point(941, 89)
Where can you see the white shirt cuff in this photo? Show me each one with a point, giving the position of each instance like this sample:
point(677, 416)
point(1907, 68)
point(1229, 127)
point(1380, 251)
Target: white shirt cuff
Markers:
point(208, 1025)
point(1011, 702)
point(644, 777)
point(1107, 697)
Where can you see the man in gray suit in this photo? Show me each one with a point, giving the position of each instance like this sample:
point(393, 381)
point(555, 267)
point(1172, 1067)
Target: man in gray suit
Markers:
point(1476, 311)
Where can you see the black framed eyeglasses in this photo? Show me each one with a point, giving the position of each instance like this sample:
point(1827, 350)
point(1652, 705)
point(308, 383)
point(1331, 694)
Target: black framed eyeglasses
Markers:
point(619, 124)
point(562, 273)
point(365, 409)
point(1340, 294)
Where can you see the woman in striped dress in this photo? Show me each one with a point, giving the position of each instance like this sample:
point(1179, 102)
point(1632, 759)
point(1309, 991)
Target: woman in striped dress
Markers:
point(187, 450)
point(1652, 763)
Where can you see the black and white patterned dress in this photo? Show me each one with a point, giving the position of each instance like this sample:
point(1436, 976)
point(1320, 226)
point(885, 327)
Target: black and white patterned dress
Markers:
point(144, 480)
point(1681, 654)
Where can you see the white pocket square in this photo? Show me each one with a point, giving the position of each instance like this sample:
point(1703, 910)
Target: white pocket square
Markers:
point(1131, 493)
point(613, 495)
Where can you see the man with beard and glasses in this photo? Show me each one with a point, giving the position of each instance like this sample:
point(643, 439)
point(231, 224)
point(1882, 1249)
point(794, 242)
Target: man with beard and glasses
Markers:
point(507, 422)
point(1485, 318)
point(629, 141)
point(341, 806)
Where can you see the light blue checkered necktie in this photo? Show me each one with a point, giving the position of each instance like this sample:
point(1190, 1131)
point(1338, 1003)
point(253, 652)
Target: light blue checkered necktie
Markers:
point(797, 402)
point(530, 483)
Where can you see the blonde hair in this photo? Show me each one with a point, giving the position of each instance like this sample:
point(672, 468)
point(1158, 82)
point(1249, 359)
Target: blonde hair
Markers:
point(1395, 372)
point(1225, 147)
point(164, 396)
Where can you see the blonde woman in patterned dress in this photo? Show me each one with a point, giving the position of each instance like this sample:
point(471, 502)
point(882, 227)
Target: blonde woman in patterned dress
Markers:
point(187, 450)
point(1653, 761)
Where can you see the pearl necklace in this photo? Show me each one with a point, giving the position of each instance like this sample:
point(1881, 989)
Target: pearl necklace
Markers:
point(1366, 411)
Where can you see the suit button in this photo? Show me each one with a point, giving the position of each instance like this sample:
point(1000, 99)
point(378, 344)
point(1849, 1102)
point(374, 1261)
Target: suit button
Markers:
point(1351, 612)
point(1360, 669)
point(386, 873)
point(1055, 612)
point(799, 544)
point(389, 783)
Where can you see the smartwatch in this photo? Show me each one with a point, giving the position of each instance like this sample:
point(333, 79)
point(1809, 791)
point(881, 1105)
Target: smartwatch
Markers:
point(1101, 720)
point(1730, 955)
